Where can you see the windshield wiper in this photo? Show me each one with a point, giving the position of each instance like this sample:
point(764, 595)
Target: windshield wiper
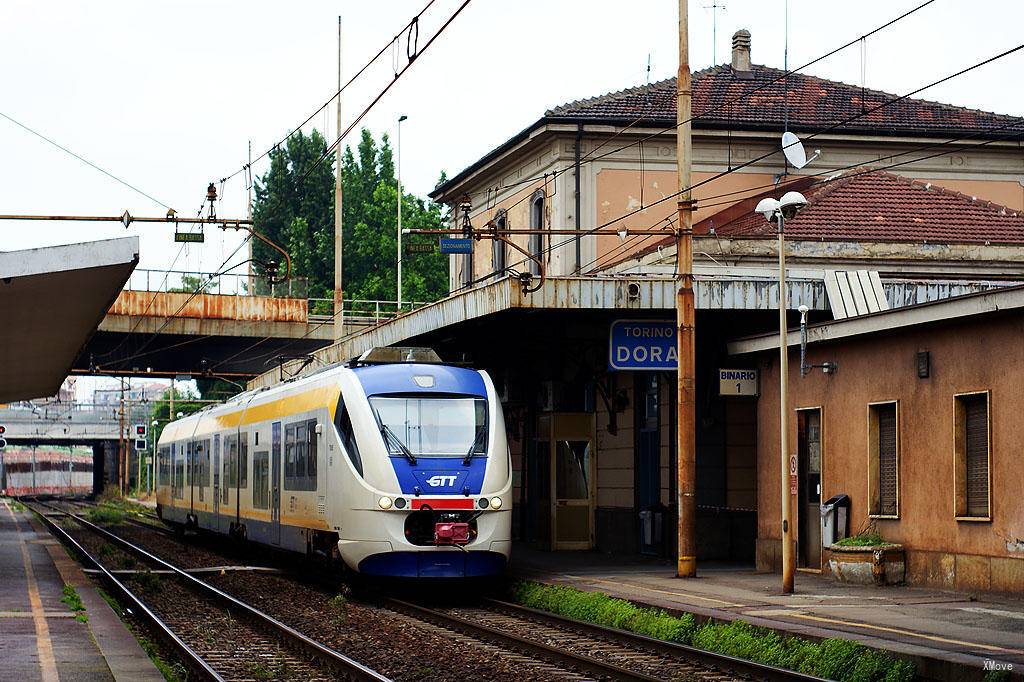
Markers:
point(472, 448)
point(389, 434)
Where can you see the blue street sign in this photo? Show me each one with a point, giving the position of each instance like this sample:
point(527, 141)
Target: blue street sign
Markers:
point(456, 245)
point(643, 345)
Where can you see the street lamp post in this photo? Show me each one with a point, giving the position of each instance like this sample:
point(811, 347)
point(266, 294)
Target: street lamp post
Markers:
point(776, 211)
point(398, 168)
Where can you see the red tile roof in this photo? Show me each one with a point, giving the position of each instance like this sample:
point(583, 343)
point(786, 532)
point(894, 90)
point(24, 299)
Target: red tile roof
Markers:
point(866, 205)
point(814, 103)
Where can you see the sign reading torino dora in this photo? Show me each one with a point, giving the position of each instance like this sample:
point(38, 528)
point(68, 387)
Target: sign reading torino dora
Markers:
point(643, 345)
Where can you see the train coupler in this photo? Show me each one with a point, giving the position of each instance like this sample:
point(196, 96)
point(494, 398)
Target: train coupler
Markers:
point(451, 533)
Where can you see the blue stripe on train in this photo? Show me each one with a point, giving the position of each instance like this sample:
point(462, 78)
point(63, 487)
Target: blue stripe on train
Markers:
point(433, 564)
point(398, 378)
point(440, 475)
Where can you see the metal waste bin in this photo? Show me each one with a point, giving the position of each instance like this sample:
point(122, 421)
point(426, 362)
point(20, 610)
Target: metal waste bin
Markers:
point(835, 519)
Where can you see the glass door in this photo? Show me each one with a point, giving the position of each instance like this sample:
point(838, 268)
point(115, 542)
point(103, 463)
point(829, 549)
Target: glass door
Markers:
point(572, 480)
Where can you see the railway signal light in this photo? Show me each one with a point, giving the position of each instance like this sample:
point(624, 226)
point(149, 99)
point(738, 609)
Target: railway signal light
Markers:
point(141, 431)
point(3, 441)
point(140, 443)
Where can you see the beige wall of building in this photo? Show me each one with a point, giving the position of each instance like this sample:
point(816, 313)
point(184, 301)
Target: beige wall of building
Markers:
point(615, 182)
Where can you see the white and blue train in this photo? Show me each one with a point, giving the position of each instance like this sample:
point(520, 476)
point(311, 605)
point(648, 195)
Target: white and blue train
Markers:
point(394, 463)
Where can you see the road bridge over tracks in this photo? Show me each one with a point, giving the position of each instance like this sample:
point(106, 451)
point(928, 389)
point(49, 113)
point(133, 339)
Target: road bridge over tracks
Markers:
point(172, 323)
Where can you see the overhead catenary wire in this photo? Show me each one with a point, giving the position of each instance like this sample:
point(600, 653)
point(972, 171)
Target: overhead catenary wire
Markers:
point(835, 175)
point(85, 161)
point(717, 176)
point(323, 107)
point(588, 158)
point(752, 161)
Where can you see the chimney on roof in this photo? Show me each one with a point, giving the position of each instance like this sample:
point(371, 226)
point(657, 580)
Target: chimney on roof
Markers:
point(741, 51)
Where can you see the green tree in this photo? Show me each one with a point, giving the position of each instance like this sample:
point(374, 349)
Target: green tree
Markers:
point(160, 409)
point(296, 211)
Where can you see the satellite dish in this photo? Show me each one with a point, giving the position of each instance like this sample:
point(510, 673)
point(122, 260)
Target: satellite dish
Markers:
point(793, 148)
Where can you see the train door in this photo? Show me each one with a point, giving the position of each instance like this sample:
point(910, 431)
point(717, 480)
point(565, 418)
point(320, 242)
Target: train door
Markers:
point(809, 489)
point(648, 463)
point(275, 483)
point(190, 464)
point(216, 481)
point(572, 480)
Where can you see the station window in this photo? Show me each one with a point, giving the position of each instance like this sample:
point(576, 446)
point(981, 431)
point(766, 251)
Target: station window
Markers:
point(261, 480)
point(497, 246)
point(883, 459)
point(536, 241)
point(972, 450)
point(300, 455)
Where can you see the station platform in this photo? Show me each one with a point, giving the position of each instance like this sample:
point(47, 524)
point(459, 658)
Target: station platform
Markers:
point(40, 639)
point(949, 635)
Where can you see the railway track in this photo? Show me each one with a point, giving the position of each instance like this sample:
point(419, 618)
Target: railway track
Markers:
point(595, 651)
point(216, 635)
point(537, 644)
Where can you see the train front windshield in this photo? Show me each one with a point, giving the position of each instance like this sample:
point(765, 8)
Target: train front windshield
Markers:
point(433, 427)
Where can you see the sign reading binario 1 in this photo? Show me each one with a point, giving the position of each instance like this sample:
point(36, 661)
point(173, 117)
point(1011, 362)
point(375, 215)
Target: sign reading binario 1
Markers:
point(643, 345)
point(737, 382)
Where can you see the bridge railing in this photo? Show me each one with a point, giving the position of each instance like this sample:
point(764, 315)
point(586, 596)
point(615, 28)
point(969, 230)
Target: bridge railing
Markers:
point(365, 311)
point(72, 411)
point(357, 311)
point(228, 284)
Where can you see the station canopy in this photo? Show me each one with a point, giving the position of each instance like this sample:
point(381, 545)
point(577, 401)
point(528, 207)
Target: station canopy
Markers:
point(52, 299)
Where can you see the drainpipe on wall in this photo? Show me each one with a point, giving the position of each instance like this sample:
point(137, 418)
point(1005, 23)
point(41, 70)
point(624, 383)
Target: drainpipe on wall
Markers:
point(579, 141)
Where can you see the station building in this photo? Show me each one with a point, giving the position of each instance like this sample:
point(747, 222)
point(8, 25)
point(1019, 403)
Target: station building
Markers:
point(919, 424)
point(590, 411)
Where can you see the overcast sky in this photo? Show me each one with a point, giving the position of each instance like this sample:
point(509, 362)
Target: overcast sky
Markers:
point(167, 94)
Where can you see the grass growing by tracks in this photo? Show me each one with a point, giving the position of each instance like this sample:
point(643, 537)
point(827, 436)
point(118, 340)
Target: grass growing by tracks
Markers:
point(74, 603)
point(835, 659)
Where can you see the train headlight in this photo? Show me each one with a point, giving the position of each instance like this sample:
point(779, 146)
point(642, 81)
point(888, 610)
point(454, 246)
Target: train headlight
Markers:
point(399, 503)
point(384, 502)
point(495, 503)
point(483, 503)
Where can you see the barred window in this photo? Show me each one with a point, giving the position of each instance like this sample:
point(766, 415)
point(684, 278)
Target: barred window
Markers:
point(883, 435)
point(972, 452)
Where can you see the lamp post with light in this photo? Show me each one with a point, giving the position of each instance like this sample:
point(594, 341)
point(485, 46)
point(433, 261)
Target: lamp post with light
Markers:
point(398, 168)
point(777, 211)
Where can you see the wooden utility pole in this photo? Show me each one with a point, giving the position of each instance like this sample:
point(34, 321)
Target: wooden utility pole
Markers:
point(339, 303)
point(686, 450)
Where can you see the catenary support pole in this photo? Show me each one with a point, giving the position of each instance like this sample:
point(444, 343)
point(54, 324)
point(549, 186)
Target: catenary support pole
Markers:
point(339, 303)
point(787, 516)
point(686, 463)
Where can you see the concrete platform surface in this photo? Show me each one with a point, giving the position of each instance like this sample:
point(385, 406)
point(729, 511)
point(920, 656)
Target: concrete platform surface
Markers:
point(39, 636)
point(942, 631)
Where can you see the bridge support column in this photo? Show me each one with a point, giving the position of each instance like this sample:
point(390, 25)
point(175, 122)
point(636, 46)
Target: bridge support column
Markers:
point(104, 465)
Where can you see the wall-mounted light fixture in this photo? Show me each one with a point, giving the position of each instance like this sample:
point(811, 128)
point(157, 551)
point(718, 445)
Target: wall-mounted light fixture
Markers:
point(826, 367)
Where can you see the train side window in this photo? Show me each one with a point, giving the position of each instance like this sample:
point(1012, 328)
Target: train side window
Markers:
point(261, 480)
point(311, 453)
point(289, 457)
point(230, 461)
point(343, 423)
point(301, 454)
point(243, 460)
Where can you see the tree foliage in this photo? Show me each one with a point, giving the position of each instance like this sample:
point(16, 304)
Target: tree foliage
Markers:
point(160, 410)
point(294, 207)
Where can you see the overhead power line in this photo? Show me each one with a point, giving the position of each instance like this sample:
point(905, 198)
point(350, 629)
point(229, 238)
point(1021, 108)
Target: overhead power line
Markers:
point(84, 160)
point(849, 119)
point(405, 30)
